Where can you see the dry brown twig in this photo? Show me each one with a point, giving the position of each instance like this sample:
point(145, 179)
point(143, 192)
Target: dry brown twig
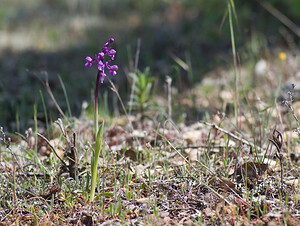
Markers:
point(72, 151)
point(47, 86)
point(277, 142)
point(52, 148)
point(242, 140)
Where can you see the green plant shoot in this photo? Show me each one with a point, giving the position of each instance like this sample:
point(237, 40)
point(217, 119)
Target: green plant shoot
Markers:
point(94, 161)
point(142, 91)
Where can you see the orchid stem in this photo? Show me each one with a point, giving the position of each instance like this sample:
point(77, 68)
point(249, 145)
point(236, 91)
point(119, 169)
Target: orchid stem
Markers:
point(94, 162)
point(96, 103)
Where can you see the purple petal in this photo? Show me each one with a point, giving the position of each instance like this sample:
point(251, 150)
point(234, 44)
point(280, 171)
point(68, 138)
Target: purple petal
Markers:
point(109, 42)
point(100, 63)
point(101, 67)
point(88, 59)
point(112, 73)
point(88, 64)
point(112, 53)
point(100, 56)
point(102, 77)
point(114, 68)
point(104, 50)
point(107, 64)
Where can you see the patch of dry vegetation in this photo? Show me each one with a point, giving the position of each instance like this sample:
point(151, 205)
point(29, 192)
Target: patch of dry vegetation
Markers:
point(157, 173)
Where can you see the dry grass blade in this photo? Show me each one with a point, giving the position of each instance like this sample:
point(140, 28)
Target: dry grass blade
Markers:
point(53, 149)
point(280, 16)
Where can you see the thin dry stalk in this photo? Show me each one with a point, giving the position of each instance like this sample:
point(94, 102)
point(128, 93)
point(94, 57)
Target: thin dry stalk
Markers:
point(137, 54)
point(281, 17)
point(47, 86)
point(71, 149)
point(169, 82)
point(114, 89)
point(49, 91)
point(53, 149)
point(288, 104)
point(277, 142)
point(248, 143)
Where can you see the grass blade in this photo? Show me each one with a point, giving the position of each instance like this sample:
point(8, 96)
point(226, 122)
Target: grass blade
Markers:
point(66, 95)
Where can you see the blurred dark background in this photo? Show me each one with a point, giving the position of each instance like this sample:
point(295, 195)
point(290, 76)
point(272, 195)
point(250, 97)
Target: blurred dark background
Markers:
point(53, 37)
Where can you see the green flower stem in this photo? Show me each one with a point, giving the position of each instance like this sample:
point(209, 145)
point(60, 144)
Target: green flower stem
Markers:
point(96, 104)
point(94, 163)
point(98, 138)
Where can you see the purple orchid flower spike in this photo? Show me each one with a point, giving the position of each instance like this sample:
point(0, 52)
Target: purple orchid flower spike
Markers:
point(102, 64)
point(100, 61)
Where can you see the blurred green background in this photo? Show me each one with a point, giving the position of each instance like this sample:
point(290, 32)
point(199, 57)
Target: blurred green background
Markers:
point(39, 37)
